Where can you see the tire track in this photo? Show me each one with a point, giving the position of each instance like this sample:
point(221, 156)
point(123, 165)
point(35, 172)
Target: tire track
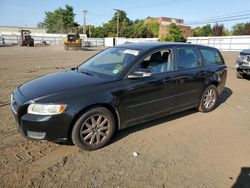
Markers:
point(2, 104)
point(33, 154)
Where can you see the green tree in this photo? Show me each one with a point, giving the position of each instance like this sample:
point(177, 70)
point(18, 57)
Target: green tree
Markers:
point(218, 29)
point(227, 32)
point(97, 32)
point(60, 21)
point(109, 29)
point(174, 34)
point(153, 29)
point(203, 31)
point(197, 32)
point(247, 29)
point(139, 29)
point(207, 30)
point(238, 29)
point(127, 28)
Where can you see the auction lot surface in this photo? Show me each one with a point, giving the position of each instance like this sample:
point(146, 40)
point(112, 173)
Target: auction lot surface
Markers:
point(189, 149)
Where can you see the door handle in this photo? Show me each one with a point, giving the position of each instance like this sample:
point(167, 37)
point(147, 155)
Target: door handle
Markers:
point(168, 79)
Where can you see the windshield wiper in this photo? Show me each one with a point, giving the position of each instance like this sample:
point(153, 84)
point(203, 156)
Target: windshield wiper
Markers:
point(86, 72)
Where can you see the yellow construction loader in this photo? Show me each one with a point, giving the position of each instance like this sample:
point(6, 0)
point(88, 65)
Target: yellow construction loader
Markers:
point(72, 41)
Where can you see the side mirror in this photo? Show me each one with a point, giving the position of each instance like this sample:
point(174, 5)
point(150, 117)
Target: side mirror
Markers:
point(140, 73)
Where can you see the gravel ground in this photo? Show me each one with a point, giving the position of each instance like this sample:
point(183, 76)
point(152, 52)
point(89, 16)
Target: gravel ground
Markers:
point(188, 149)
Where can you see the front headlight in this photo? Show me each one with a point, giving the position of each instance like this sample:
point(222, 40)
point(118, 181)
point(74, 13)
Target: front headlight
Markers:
point(46, 109)
point(241, 58)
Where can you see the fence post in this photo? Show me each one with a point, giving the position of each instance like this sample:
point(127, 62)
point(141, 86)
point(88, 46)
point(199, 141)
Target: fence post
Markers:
point(230, 44)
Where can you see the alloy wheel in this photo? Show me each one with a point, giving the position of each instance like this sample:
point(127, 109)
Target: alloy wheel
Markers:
point(95, 129)
point(209, 98)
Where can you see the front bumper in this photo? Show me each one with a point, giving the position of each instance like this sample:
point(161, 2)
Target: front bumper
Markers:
point(39, 127)
point(50, 128)
point(72, 44)
point(243, 67)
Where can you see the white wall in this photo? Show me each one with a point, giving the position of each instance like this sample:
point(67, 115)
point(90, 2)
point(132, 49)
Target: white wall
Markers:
point(57, 39)
point(17, 29)
point(225, 43)
point(108, 41)
point(53, 39)
point(95, 41)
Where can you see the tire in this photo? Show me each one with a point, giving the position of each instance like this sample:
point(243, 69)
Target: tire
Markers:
point(208, 99)
point(89, 134)
point(240, 75)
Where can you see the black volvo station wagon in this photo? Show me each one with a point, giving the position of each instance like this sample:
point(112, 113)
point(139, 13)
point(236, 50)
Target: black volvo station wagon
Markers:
point(118, 88)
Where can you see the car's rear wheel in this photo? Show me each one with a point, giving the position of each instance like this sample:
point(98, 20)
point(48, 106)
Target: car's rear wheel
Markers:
point(94, 129)
point(209, 99)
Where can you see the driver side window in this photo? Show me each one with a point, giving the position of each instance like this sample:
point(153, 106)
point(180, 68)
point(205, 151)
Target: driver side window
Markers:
point(158, 62)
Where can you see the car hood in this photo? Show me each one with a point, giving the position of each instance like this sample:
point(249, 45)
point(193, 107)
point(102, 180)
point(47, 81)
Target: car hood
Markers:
point(245, 52)
point(57, 82)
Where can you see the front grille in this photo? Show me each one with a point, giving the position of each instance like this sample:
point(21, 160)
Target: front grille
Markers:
point(241, 63)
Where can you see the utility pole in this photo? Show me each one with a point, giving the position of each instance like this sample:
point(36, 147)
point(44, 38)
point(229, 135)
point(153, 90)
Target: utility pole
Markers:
point(84, 21)
point(117, 24)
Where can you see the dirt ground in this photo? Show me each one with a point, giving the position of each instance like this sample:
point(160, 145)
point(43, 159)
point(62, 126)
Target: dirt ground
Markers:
point(189, 149)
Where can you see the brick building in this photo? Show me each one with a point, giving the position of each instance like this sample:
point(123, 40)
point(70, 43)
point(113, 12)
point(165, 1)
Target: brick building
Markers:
point(164, 22)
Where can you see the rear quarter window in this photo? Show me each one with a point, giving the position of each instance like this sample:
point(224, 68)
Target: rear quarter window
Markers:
point(211, 56)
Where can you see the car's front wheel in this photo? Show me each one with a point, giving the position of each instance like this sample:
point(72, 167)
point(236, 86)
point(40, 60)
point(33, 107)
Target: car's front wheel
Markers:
point(240, 75)
point(209, 99)
point(94, 129)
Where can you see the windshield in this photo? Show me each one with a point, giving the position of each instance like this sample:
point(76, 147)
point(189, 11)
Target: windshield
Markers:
point(73, 37)
point(110, 62)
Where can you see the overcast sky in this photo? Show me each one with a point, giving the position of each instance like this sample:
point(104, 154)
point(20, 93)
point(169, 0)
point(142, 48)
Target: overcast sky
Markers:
point(31, 12)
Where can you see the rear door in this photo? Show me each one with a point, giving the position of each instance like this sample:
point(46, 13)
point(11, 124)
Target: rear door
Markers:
point(189, 78)
point(215, 66)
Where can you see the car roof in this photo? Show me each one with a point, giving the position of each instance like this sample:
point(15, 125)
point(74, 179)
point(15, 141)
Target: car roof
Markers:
point(145, 46)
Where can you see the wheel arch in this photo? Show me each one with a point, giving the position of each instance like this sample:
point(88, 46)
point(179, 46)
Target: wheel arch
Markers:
point(207, 84)
point(214, 82)
point(112, 109)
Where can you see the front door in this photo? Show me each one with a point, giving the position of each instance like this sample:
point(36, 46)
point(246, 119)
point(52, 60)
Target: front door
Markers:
point(150, 96)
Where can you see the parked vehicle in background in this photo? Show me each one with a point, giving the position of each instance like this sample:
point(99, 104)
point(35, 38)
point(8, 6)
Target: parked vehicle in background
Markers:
point(2, 43)
point(118, 88)
point(26, 39)
point(243, 64)
point(86, 44)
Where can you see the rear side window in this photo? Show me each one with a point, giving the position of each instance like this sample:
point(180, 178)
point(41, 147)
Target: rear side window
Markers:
point(211, 56)
point(188, 58)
